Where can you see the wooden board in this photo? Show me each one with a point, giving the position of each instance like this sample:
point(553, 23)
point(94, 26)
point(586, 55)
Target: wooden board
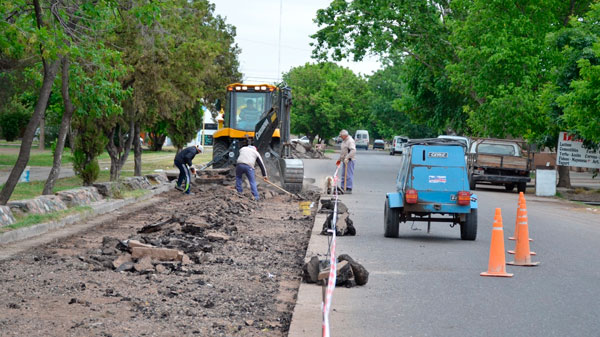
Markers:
point(510, 162)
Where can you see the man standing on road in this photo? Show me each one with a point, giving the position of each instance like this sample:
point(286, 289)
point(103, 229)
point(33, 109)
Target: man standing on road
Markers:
point(347, 157)
point(245, 165)
point(183, 160)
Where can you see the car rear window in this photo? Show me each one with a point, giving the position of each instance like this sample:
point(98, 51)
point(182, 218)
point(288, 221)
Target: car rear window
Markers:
point(500, 149)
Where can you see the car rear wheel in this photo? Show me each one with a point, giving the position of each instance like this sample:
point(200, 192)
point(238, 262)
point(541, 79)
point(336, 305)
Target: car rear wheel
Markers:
point(468, 228)
point(522, 187)
point(391, 221)
point(509, 187)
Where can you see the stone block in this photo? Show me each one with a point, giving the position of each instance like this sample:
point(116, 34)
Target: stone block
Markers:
point(158, 178)
point(6, 216)
point(79, 196)
point(137, 183)
point(160, 254)
point(107, 189)
point(40, 205)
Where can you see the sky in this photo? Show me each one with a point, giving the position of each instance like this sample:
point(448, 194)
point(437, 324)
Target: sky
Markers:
point(257, 28)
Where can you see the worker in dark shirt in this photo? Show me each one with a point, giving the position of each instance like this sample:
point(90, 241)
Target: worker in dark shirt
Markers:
point(183, 160)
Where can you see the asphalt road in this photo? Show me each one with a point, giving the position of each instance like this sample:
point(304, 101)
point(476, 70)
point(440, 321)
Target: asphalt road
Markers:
point(429, 285)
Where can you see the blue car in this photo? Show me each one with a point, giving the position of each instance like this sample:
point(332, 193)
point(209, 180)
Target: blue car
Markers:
point(432, 186)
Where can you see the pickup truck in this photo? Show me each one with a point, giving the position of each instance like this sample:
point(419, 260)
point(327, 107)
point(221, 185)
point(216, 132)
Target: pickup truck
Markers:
point(500, 162)
point(432, 186)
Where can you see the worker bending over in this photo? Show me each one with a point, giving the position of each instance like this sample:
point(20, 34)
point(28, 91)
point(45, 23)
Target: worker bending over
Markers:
point(183, 160)
point(245, 165)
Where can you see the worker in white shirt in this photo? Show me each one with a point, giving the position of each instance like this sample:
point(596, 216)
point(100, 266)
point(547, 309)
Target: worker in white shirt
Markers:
point(248, 158)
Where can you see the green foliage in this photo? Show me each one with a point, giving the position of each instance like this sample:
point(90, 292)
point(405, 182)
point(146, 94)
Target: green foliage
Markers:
point(578, 85)
point(389, 106)
point(413, 36)
point(89, 144)
point(183, 55)
point(14, 119)
point(85, 168)
point(502, 63)
point(327, 98)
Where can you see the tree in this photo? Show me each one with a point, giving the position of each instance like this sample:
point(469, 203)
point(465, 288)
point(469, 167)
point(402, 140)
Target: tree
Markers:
point(18, 31)
point(412, 36)
point(580, 91)
point(184, 56)
point(388, 113)
point(326, 99)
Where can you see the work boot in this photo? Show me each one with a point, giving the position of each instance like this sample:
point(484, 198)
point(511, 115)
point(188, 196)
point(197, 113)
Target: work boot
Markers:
point(179, 188)
point(348, 191)
point(189, 193)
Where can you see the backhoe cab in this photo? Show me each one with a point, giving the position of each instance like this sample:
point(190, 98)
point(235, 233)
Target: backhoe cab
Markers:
point(259, 114)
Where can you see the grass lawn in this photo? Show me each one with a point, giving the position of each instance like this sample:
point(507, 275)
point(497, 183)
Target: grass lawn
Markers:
point(33, 219)
point(44, 158)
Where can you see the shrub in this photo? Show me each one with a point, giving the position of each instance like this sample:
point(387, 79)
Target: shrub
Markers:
point(85, 169)
point(14, 119)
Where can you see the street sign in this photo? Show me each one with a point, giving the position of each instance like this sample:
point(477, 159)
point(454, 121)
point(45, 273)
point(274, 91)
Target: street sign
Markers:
point(572, 153)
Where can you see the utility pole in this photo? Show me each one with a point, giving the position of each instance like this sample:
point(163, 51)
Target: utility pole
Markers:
point(279, 45)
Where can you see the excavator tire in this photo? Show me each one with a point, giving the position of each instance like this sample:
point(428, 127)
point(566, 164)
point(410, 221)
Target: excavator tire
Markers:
point(220, 149)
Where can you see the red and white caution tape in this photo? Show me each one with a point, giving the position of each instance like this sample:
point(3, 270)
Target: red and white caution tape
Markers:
point(326, 305)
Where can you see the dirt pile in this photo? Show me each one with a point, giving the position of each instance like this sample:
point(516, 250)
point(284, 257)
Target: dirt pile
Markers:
point(236, 270)
point(306, 151)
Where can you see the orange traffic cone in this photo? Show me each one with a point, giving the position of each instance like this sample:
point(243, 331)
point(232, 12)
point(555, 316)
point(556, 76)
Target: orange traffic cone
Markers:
point(497, 265)
point(522, 252)
point(522, 218)
point(521, 198)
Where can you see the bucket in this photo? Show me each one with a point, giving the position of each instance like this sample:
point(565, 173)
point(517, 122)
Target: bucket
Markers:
point(305, 207)
point(24, 178)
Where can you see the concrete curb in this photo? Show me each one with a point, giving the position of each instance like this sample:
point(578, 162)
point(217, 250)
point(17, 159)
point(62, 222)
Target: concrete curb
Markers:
point(98, 208)
point(307, 315)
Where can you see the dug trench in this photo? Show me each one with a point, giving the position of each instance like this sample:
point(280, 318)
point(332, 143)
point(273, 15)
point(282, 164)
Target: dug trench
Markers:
point(238, 271)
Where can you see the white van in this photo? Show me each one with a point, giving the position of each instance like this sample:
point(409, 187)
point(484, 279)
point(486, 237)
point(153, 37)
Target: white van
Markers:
point(398, 145)
point(361, 138)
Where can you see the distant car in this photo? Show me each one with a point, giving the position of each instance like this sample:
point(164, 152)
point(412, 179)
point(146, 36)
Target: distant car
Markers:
point(361, 139)
point(378, 144)
point(461, 139)
point(398, 145)
point(302, 140)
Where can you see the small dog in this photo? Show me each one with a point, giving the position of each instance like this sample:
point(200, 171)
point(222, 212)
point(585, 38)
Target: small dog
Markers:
point(328, 187)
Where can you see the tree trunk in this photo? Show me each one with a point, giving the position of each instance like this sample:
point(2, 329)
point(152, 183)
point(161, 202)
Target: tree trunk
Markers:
point(64, 128)
point(137, 151)
point(564, 178)
point(25, 150)
point(113, 153)
point(156, 141)
point(71, 139)
point(42, 137)
point(119, 153)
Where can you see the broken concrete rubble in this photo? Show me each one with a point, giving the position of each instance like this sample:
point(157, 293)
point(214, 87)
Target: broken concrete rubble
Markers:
point(349, 272)
point(160, 254)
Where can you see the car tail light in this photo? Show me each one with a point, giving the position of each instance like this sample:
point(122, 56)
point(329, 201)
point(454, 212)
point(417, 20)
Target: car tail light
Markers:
point(464, 198)
point(411, 196)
